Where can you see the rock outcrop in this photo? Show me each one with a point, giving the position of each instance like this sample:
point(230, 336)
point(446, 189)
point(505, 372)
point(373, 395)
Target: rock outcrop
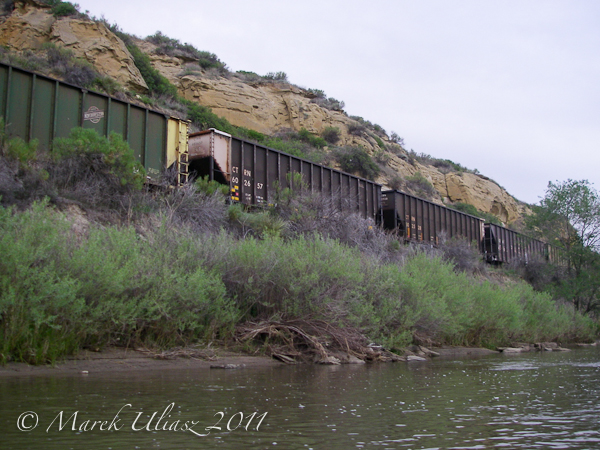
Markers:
point(267, 107)
point(31, 25)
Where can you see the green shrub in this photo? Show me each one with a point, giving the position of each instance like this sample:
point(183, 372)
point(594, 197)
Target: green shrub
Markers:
point(204, 118)
point(357, 129)
point(331, 134)
point(248, 76)
point(357, 160)
point(210, 187)
point(382, 157)
point(302, 278)
point(173, 47)
point(329, 103)
point(420, 185)
point(260, 224)
point(311, 139)
point(157, 84)
point(40, 310)
point(21, 151)
point(60, 292)
point(61, 9)
point(396, 139)
point(100, 154)
point(276, 76)
point(318, 93)
point(74, 70)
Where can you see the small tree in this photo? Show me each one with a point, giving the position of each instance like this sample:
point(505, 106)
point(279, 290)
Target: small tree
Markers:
point(569, 216)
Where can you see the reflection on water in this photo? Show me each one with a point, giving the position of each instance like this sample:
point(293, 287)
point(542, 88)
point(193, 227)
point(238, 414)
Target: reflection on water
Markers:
point(534, 400)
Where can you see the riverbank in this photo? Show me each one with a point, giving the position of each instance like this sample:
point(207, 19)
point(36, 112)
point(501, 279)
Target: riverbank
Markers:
point(129, 360)
point(120, 360)
point(115, 359)
point(161, 282)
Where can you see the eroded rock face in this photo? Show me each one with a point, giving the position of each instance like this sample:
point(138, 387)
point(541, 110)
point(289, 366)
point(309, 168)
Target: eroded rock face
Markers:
point(31, 25)
point(100, 47)
point(476, 190)
point(27, 28)
point(264, 107)
point(484, 194)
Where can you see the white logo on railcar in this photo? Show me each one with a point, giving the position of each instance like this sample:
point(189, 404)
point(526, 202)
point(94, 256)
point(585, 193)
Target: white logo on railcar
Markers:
point(93, 114)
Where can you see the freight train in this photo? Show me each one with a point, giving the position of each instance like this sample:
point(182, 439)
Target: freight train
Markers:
point(34, 106)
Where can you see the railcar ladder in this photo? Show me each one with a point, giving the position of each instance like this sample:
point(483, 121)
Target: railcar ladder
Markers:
point(183, 168)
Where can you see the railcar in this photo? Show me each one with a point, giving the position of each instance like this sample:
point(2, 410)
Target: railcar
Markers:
point(419, 220)
point(38, 107)
point(502, 245)
point(254, 172)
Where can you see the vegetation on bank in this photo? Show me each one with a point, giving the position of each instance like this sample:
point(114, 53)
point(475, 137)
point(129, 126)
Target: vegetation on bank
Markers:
point(168, 268)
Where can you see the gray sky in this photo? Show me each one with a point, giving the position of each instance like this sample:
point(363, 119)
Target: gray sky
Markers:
point(509, 87)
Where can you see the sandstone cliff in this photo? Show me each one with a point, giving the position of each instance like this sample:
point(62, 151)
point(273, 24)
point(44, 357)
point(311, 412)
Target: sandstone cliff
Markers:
point(31, 25)
point(267, 107)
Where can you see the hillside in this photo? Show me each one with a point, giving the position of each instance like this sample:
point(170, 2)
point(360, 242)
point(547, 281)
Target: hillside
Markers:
point(269, 104)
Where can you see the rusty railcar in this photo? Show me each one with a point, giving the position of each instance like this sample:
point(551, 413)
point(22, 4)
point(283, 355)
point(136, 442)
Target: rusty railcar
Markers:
point(34, 106)
point(419, 220)
point(254, 172)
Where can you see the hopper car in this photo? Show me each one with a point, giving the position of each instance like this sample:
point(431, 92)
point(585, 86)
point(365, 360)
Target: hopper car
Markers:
point(254, 172)
point(502, 245)
point(38, 107)
point(418, 220)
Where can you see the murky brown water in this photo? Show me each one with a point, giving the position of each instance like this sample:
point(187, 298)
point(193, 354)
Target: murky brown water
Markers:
point(528, 401)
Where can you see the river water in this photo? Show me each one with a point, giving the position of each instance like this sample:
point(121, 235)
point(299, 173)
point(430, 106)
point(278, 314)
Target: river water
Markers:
point(544, 400)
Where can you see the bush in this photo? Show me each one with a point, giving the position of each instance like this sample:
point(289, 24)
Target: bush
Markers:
point(73, 70)
point(395, 182)
point(202, 117)
point(420, 185)
point(357, 129)
point(396, 139)
point(59, 292)
point(19, 150)
point(317, 93)
point(248, 77)
point(331, 134)
point(463, 255)
point(357, 160)
point(311, 139)
point(111, 154)
point(173, 47)
point(276, 76)
point(329, 103)
point(199, 206)
point(379, 143)
point(62, 9)
point(26, 60)
point(157, 84)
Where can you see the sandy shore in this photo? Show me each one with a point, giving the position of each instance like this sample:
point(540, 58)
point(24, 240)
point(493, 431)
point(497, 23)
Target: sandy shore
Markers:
point(113, 359)
point(123, 360)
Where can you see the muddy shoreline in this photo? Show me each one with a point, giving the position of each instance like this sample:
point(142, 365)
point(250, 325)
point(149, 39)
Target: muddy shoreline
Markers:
point(112, 360)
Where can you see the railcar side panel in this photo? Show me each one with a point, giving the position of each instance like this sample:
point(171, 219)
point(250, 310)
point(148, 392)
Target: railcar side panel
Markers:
point(38, 107)
point(256, 170)
point(502, 245)
point(420, 220)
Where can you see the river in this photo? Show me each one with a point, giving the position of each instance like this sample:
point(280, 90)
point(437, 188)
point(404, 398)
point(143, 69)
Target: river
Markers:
point(533, 400)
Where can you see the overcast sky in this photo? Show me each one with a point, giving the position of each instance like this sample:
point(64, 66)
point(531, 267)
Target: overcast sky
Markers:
point(509, 87)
